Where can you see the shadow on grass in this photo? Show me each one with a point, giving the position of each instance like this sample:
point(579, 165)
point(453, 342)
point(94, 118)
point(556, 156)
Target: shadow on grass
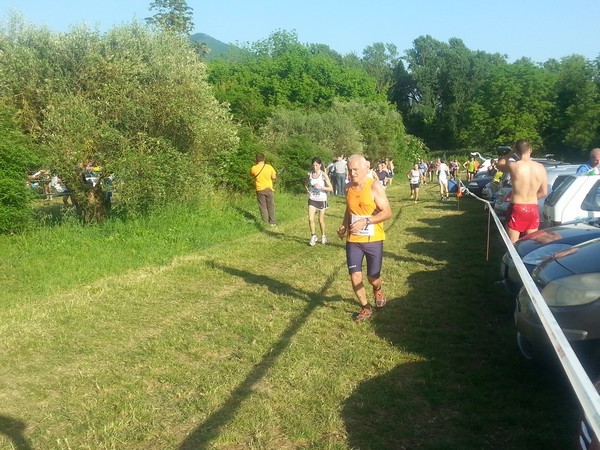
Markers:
point(208, 430)
point(470, 388)
point(15, 431)
point(249, 217)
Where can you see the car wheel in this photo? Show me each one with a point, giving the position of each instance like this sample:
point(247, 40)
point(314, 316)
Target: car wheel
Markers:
point(524, 347)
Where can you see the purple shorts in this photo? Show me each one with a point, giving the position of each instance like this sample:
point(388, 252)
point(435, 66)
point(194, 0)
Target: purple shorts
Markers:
point(357, 251)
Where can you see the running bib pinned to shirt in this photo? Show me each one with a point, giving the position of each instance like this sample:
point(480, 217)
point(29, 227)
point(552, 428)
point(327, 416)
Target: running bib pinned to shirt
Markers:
point(369, 231)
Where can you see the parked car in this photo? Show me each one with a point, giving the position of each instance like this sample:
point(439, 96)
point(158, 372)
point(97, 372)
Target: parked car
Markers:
point(503, 198)
point(569, 282)
point(481, 180)
point(576, 198)
point(535, 247)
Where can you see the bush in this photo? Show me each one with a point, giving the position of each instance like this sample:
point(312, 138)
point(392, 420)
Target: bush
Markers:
point(294, 157)
point(15, 158)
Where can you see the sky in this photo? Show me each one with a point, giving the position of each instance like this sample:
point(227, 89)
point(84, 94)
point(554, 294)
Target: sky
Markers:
point(536, 29)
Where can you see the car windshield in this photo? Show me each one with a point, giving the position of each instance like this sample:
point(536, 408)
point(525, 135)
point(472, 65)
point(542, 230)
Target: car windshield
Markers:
point(556, 194)
point(558, 181)
point(592, 199)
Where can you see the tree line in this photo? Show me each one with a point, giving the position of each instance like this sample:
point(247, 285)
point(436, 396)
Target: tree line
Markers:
point(164, 125)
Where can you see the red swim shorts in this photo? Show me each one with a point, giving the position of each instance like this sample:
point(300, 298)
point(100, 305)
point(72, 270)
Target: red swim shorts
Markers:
point(522, 217)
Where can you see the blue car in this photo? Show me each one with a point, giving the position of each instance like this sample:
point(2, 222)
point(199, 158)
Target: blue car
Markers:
point(569, 282)
point(535, 247)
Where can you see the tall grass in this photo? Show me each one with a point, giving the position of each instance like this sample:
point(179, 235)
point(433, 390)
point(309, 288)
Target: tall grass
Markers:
point(200, 328)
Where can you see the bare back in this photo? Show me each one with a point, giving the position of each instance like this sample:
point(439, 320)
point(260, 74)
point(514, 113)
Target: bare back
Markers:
point(529, 181)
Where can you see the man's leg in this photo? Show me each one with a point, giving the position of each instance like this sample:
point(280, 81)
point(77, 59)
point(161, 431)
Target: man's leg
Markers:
point(374, 257)
point(340, 180)
point(270, 195)
point(513, 235)
point(359, 288)
point(262, 205)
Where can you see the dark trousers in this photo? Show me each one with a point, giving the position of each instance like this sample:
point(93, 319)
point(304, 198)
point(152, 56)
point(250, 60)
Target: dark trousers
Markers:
point(266, 205)
point(339, 184)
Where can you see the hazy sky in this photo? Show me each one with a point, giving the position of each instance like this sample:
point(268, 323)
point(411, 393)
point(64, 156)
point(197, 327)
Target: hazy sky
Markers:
point(536, 29)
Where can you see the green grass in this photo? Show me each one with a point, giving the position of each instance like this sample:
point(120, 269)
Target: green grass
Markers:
point(200, 328)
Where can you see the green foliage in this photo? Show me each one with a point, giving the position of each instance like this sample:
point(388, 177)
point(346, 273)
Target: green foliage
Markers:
point(174, 16)
point(16, 157)
point(293, 162)
point(281, 72)
point(133, 101)
point(453, 97)
point(236, 164)
point(379, 60)
point(380, 126)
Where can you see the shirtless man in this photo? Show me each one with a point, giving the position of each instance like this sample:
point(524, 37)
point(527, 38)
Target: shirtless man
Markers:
point(529, 183)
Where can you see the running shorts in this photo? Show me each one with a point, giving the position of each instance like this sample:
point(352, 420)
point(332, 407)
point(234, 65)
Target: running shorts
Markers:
point(372, 251)
point(523, 217)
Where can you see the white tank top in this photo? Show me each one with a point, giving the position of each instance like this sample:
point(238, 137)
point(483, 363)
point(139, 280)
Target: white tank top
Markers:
point(415, 176)
point(317, 194)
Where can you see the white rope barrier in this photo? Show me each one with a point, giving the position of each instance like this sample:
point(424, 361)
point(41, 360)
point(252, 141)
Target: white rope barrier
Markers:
point(581, 383)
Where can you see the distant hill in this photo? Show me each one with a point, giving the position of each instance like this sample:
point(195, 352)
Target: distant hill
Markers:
point(217, 47)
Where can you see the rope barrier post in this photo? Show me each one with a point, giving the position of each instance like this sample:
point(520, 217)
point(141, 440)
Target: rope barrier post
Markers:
point(487, 254)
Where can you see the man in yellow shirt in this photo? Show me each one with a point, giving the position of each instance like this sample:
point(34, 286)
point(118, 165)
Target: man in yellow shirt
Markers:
point(367, 207)
point(263, 175)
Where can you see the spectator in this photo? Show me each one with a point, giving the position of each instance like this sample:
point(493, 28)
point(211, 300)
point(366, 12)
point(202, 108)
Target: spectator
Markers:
point(263, 175)
point(340, 168)
point(594, 163)
point(529, 183)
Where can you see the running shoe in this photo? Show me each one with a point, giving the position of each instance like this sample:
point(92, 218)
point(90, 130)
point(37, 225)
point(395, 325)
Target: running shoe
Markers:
point(364, 314)
point(313, 240)
point(323, 240)
point(380, 300)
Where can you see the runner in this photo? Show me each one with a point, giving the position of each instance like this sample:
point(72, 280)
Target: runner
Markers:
point(414, 176)
point(317, 185)
point(367, 207)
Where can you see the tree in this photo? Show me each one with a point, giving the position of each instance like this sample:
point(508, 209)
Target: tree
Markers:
point(173, 16)
point(281, 72)
point(576, 113)
point(438, 85)
point(379, 60)
point(134, 101)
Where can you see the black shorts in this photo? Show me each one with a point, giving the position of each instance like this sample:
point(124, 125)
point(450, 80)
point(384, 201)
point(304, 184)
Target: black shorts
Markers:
point(415, 185)
point(357, 251)
point(320, 205)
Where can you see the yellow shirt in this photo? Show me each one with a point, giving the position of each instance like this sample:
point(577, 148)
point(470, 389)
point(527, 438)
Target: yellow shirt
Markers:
point(262, 175)
point(361, 204)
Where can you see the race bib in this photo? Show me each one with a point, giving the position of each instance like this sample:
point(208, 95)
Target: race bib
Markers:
point(369, 231)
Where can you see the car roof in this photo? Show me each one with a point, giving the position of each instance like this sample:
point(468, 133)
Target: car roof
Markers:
point(562, 167)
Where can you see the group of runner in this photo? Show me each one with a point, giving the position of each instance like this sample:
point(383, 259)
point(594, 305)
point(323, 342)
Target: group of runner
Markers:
point(420, 171)
point(367, 207)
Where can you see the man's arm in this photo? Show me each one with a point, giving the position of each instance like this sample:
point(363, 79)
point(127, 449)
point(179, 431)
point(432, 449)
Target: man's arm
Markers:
point(382, 203)
point(583, 169)
point(273, 174)
point(503, 163)
point(345, 226)
point(543, 190)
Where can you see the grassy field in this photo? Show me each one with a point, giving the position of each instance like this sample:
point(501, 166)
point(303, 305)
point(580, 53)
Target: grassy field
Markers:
point(198, 329)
